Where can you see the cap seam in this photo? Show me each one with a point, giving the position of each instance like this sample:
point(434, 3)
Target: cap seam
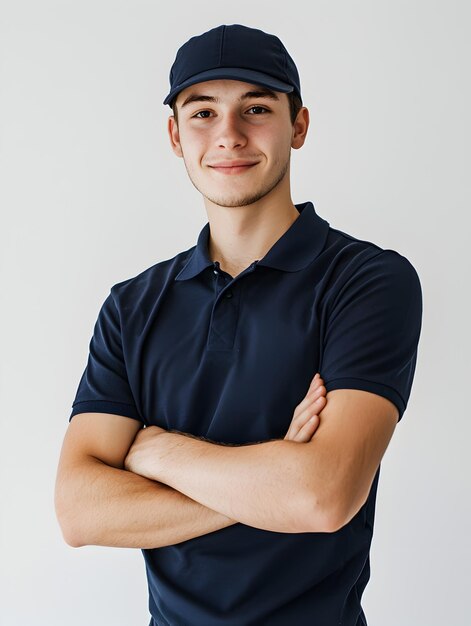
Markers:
point(285, 67)
point(221, 46)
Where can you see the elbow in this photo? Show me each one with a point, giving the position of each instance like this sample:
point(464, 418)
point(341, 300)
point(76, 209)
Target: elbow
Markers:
point(335, 523)
point(319, 517)
point(69, 523)
point(71, 538)
point(338, 516)
point(70, 533)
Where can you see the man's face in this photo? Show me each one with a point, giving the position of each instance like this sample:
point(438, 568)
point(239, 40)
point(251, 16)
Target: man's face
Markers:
point(224, 121)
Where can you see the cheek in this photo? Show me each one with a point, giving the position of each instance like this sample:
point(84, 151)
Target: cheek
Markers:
point(194, 147)
point(278, 149)
point(272, 140)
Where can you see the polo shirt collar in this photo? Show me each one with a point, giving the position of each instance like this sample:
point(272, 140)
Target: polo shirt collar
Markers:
point(294, 250)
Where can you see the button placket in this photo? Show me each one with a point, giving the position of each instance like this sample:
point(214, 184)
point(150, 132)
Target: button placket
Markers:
point(225, 312)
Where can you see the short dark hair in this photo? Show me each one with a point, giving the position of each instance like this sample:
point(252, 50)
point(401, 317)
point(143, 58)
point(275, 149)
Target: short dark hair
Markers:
point(295, 105)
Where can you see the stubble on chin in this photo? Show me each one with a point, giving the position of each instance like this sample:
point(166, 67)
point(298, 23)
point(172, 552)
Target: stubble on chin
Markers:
point(241, 198)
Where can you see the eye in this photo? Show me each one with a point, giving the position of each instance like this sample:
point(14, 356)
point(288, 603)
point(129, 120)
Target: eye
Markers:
point(255, 106)
point(196, 114)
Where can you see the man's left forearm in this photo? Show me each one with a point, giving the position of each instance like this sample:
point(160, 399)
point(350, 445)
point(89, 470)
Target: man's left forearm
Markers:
point(262, 485)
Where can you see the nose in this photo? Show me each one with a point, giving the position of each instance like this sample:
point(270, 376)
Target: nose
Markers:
point(229, 133)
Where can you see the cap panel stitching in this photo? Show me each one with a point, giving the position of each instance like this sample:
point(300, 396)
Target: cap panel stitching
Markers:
point(223, 32)
point(285, 67)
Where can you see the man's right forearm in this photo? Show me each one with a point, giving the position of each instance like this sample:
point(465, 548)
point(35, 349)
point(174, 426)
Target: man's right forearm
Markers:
point(101, 505)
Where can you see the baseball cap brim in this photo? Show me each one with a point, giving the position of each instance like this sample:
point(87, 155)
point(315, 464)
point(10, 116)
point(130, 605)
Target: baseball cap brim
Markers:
point(235, 73)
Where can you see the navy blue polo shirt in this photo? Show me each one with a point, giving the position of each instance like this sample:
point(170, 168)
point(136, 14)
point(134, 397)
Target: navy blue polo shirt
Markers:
point(186, 346)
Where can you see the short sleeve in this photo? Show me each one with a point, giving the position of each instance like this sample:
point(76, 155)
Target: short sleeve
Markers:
point(373, 330)
point(104, 386)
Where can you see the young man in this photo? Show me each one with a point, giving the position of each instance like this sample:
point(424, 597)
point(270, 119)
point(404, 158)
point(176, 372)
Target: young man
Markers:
point(246, 510)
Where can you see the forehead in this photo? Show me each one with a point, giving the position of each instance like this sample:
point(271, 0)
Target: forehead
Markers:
point(221, 90)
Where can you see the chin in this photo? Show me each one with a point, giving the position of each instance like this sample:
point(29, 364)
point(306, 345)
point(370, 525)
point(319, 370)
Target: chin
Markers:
point(235, 200)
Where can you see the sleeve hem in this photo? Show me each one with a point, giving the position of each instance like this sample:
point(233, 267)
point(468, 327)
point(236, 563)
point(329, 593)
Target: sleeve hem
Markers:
point(105, 406)
point(368, 385)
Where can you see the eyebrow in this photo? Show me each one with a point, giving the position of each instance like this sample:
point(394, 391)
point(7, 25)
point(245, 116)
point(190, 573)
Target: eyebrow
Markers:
point(259, 93)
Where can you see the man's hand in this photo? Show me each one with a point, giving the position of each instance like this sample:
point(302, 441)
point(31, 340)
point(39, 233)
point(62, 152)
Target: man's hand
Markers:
point(306, 415)
point(148, 450)
point(144, 455)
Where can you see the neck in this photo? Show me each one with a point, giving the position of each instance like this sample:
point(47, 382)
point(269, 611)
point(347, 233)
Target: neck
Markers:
point(241, 235)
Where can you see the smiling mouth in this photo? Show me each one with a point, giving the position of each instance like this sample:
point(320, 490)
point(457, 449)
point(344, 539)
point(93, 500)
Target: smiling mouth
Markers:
point(238, 169)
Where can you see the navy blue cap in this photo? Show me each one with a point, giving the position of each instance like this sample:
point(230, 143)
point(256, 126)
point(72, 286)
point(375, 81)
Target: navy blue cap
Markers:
point(235, 52)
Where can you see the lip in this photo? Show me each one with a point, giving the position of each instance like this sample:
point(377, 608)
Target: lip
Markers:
point(233, 163)
point(236, 167)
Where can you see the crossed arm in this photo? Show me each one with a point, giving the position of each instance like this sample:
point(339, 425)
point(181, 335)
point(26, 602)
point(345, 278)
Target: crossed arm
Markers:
point(276, 485)
point(262, 485)
point(98, 502)
point(279, 485)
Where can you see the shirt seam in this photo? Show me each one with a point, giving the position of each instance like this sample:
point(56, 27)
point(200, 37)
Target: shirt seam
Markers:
point(366, 380)
point(109, 401)
point(353, 275)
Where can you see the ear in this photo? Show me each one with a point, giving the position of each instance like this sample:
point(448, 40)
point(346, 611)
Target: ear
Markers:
point(300, 126)
point(174, 136)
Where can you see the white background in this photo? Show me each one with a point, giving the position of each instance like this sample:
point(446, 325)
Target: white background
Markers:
point(91, 194)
